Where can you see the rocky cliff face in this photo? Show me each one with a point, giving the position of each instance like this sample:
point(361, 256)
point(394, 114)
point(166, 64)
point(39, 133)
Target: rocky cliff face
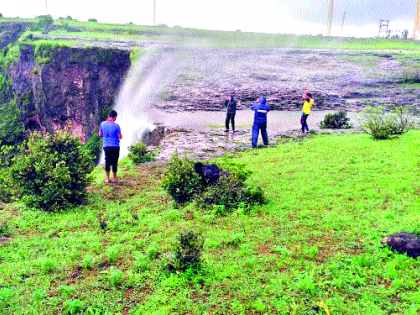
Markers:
point(71, 88)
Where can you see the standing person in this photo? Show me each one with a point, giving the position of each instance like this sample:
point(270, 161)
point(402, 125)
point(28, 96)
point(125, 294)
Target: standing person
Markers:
point(111, 132)
point(260, 121)
point(230, 104)
point(306, 110)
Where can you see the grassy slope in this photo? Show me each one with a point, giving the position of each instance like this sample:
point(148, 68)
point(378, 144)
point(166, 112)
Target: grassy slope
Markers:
point(332, 198)
point(224, 39)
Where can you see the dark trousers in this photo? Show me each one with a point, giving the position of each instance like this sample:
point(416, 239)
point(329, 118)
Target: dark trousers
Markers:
point(111, 158)
point(304, 123)
point(256, 130)
point(230, 117)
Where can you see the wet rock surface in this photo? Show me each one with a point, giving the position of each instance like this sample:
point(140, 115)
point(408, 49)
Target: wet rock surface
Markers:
point(338, 79)
point(203, 145)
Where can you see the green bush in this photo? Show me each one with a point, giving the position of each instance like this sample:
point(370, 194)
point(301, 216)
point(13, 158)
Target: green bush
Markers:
point(187, 251)
point(383, 124)
point(182, 182)
point(138, 153)
point(337, 120)
point(94, 147)
point(230, 193)
point(43, 22)
point(53, 171)
point(12, 130)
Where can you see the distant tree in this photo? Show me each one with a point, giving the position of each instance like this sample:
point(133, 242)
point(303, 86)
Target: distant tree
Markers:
point(44, 22)
point(1, 15)
point(93, 20)
point(69, 17)
point(404, 34)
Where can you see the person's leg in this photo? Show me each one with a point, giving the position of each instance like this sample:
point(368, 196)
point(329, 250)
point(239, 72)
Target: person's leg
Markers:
point(107, 164)
point(233, 121)
point(255, 131)
point(227, 122)
point(116, 155)
point(306, 123)
point(302, 122)
point(264, 133)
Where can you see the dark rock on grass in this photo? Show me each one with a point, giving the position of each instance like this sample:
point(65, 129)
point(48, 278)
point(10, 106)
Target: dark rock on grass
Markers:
point(404, 242)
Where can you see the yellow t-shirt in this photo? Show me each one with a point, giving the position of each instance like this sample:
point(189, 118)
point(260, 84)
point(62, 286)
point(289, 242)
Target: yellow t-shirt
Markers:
point(307, 106)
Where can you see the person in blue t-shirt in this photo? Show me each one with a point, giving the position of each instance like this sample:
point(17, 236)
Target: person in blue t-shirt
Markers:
point(111, 132)
point(260, 121)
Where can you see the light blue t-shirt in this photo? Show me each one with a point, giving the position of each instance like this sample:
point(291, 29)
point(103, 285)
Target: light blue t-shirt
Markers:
point(110, 131)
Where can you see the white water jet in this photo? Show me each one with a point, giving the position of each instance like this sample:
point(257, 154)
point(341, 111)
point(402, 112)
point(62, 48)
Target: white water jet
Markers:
point(133, 104)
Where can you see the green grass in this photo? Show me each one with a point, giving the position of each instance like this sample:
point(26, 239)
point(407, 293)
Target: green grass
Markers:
point(225, 39)
point(316, 245)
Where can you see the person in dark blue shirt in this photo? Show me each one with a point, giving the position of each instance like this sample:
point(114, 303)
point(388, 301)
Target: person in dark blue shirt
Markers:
point(230, 104)
point(260, 120)
point(111, 132)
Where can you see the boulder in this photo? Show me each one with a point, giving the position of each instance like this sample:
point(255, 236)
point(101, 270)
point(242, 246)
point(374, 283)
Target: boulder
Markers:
point(404, 242)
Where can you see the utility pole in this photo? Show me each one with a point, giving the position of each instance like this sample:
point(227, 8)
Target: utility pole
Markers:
point(344, 18)
point(154, 12)
point(416, 33)
point(330, 16)
point(46, 8)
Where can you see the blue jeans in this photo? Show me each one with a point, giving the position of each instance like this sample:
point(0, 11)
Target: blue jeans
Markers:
point(304, 123)
point(256, 130)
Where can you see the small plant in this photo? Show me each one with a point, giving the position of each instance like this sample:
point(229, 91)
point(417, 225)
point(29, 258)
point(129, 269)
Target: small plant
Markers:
point(88, 262)
point(4, 230)
point(382, 124)
point(139, 153)
point(113, 252)
point(182, 182)
point(337, 120)
point(140, 262)
point(115, 277)
point(187, 251)
point(73, 306)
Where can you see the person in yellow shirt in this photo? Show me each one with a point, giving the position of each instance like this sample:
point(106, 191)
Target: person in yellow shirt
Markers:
point(306, 110)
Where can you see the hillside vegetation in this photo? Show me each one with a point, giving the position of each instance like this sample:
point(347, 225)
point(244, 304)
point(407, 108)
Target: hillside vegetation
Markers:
point(314, 248)
point(78, 31)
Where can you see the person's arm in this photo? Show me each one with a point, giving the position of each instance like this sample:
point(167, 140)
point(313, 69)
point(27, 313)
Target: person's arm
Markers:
point(119, 134)
point(100, 132)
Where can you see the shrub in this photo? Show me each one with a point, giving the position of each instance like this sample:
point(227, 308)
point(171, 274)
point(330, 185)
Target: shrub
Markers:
point(182, 182)
point(230, 193)
point(52, 171)
point(4, 230)
point(43, 22)
point(7, 189)
point(337, 120)
point(187, 251)
point(94, 146)
point(382, 124)
point(139, 153)
point(12, 130)
point(116, 277)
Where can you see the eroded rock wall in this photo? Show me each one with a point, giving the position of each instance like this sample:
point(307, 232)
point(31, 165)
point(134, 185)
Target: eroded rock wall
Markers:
point(71, 89)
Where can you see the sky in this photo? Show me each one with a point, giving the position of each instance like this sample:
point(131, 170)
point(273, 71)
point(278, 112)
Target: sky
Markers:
point(361, 17)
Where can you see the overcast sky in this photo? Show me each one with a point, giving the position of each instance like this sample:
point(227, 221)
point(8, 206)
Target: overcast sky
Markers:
point(271, 16)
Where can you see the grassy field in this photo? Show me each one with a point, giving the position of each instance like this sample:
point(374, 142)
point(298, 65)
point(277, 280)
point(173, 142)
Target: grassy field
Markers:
point(313, 249)
point(222, 39)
